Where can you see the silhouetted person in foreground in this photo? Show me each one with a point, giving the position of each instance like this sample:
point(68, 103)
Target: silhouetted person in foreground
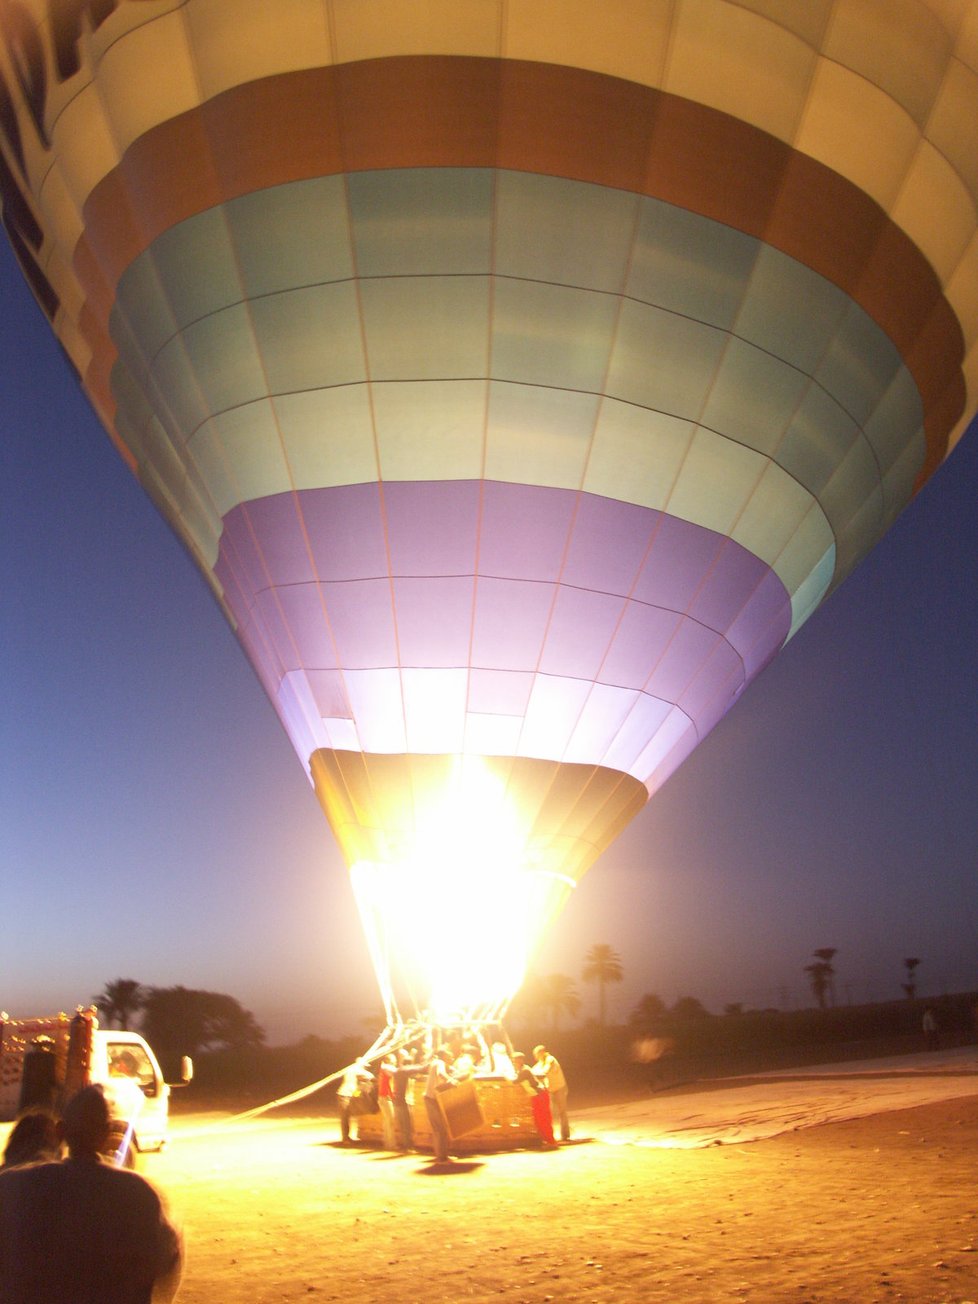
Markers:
point(83, 1231)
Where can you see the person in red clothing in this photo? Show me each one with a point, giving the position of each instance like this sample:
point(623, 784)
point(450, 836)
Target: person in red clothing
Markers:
point(385, 1099)
point(548, 1070)
point(539, 1098)
point(400, 1086)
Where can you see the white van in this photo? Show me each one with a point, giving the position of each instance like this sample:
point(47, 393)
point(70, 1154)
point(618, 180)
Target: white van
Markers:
point(122, 1063)
point(128, 1071)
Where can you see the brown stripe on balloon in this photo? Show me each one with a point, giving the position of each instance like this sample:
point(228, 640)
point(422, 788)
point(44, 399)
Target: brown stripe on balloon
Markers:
point(419, 112)
point(715, 165)
point(444, 111)
point(881, 268)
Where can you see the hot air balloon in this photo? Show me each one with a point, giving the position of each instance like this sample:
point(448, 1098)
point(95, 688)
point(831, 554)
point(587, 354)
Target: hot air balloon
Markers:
point(521, 375)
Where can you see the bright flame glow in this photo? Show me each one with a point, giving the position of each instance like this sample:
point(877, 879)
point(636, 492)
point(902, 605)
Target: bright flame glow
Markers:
point(456, 918)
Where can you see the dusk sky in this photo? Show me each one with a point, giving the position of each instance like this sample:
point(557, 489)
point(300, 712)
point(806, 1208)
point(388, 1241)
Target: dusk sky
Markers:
point(156, 824)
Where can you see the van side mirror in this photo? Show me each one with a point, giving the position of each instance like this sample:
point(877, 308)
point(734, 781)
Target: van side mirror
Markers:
point(186, 1071)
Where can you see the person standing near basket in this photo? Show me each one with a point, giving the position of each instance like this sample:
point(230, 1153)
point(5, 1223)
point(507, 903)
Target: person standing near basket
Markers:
point(539, 1099)
point(548, 1070)
point(400, 1089)
point(439, 1079)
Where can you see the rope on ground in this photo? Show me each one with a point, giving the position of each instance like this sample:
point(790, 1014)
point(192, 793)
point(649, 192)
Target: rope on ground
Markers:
point(391, 1039)
point(258, 1110)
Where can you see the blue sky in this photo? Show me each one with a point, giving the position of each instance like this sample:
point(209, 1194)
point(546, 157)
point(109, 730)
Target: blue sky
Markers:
point(156, 824)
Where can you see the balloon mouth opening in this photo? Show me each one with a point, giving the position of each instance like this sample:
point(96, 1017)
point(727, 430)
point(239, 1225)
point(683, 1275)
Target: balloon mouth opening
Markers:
point(455, 912)
point(451, 944)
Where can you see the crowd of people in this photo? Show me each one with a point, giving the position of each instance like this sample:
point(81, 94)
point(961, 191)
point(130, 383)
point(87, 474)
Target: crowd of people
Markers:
point(76, 1225)
point(79, 1227)
point(390, 1085)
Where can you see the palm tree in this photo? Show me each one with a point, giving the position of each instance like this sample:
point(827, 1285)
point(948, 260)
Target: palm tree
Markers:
point(559, 995)
point(602, 965)
point(820, 973)
point(910, 986)
point(825, 954)
point(120, 1000)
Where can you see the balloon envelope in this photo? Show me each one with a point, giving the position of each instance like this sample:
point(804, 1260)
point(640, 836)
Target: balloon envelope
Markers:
point(520, 375)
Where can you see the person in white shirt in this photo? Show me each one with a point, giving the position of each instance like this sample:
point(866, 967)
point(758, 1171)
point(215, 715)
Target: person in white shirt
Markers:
point(439, 1077)
point(548, 1070)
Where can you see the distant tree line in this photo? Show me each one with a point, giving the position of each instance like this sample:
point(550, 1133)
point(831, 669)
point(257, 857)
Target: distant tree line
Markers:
point(179, 1020)
point(555, 995)
point(821, 973)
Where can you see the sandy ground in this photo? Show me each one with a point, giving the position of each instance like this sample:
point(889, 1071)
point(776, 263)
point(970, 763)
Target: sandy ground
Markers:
point(663, 1199)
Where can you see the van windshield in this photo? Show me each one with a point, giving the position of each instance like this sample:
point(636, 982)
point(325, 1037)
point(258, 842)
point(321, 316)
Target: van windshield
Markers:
point(132, 1062)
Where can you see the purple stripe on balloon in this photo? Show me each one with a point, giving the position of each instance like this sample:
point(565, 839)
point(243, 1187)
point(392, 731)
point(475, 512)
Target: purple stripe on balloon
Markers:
point(524, 530)
point(432, 527)
point(593, 626)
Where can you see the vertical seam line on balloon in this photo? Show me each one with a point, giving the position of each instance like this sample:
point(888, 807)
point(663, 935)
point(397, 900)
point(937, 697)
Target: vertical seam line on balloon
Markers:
point(381, 499)
point(487, 387)
point(613, 336)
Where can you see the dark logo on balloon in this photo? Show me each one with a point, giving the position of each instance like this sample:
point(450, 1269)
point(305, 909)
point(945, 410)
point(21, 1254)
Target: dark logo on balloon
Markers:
point(39, 55)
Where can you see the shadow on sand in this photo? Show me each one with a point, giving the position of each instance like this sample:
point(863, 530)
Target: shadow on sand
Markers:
point(450, 1167)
